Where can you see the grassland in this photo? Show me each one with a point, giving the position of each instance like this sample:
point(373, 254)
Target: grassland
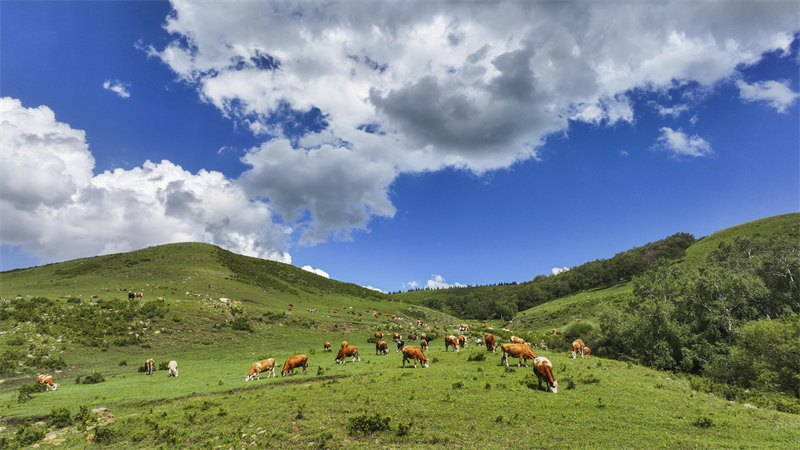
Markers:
point(463, 400)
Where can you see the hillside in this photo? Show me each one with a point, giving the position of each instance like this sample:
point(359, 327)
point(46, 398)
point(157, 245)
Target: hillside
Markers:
point(52, 323)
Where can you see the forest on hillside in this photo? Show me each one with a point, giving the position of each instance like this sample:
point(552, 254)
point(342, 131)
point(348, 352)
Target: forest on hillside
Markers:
point(504, 302)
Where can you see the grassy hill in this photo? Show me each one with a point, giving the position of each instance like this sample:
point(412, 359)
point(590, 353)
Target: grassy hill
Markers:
point(52, 323)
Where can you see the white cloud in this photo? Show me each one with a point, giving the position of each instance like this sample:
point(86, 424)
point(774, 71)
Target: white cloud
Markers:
point(373, 288)
point(558, 270)
point(680, 144)
point(118, 87)
point(777, 94)
point(58, 209)
point(319, 272)
point(471, 85)
point(438, 282)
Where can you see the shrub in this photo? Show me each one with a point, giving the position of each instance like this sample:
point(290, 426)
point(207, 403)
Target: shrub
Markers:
point(368, 424)
point(479, 356)
point(60, 417)
point(27, 390)
point(163, 365)
point(241, 324)
point(93, 378)
point(123, 363)
point(103, 435)
point(704, 421)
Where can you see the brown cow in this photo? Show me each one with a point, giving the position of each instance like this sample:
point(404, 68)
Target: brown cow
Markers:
point(396, 337)
point(48, 381)
point(267, 365)
point(344, 344)
point(381, 348)
point(149, 366)
point(587, 351)
point(294, 361)
point(424, 343)
point(451, 341)
point(345, 352)
point(491, 343)
point(577, 347)
point(517, 340)
point(379, 335)
point(412, 337)
point(543, 369)
point(410, 352)
point(462, 341)
point(521, 350)
point(327, 346)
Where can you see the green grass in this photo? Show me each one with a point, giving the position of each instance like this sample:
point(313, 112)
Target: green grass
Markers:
point(460, 401)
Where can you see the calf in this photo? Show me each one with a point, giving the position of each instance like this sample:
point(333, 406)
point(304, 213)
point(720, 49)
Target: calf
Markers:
point(268, 365)
point(577, 347)
point(48, 381)
point(345, 352)
point(149, 366)
point(414, 353)
point(521, 350)
point(543, 369)
point(491, 342)
point(424, 343)
point(294, 361)
point(451, 341)
point(381, 348)
point(173, 369)
point(327, 346)
point(478, 342)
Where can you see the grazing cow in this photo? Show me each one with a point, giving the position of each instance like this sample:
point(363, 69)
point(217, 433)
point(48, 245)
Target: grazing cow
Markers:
point(543, 369)
point(451, 341)
point(414, 353)
point(462, 341)
point(268, 365)
point(412, 337)
point(491, 342)
point(424, 343)
point(517, 350)
point(327, 346)
point(463, 328)
point(517, 340)
point(47, 380)
point(586, 351)
point(173, 369)
point(149, 366)
point(345, 352)
point(400, 345)
point(344, 344)
point(381, 348)
point(95, 296)
point(555, 332)
point(396, 337)
point(138, 295)
point(294, 361)
point(479, 342)
point(131, 296)
point(379, 335)
point(577, 347)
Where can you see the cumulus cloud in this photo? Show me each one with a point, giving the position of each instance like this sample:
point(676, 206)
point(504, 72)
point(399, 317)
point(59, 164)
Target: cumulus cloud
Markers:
point(373, 288)
point(319, 272)
point(680, 144)
point(777, 94)
point(558, 270)
point(117, 87)
point(351, 94)
point(438, 282)
point(58, 209)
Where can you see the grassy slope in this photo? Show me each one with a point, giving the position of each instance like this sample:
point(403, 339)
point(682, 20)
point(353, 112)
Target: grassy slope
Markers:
point(612, 404)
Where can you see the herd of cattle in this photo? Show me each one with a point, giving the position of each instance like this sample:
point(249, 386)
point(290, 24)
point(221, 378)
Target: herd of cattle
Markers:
point(517, 348)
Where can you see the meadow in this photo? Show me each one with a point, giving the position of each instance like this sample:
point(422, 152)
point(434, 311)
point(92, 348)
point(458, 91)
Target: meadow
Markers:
point(462, 400)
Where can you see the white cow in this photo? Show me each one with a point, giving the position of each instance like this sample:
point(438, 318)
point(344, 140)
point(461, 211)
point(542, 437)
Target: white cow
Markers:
point(173, 369)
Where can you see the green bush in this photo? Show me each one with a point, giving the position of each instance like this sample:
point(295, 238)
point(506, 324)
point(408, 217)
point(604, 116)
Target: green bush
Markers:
point(26, 391)
point(93, 378)
point(241, 324)
point(60, 417)
point(368, 424)
point(477, 356)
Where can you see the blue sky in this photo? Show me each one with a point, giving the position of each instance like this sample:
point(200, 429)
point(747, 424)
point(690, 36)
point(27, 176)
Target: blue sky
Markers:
point(393, 146)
